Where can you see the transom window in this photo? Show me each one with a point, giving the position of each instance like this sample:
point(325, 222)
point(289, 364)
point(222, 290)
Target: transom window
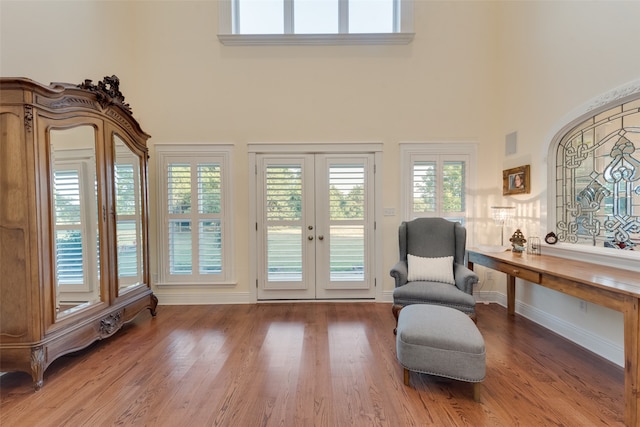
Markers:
point(315, 16)
point(316, 21)
point(598, 180)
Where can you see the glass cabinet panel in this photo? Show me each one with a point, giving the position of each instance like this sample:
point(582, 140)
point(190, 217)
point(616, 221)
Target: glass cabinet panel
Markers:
point(127, 181)
point(75, 219)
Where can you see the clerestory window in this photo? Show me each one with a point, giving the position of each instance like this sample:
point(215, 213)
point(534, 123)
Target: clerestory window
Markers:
point(598, 180)
point(316, 21)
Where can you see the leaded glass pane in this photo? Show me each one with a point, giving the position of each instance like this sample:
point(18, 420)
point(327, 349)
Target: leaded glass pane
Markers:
point(598, 180)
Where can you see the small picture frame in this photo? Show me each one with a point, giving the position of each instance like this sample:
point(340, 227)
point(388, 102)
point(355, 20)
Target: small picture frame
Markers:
point(516, 181)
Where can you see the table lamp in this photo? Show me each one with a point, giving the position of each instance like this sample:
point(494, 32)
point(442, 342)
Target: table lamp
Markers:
point(500, 215)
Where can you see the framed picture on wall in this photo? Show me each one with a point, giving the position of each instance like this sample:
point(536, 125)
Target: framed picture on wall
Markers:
point(516, 181)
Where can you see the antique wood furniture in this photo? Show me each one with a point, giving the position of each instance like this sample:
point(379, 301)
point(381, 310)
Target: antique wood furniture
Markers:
point(611, 287)
point(74, 260)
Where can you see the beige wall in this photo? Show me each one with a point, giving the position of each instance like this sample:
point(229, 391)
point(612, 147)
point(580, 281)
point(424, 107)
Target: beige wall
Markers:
point(476, 71)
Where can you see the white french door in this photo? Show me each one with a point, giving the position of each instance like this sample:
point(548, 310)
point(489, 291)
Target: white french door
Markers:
point(315, 228)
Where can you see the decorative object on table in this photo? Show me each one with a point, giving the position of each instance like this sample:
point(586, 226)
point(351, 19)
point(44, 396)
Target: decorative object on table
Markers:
point(517, 242)
point(533, 248)
point(516, 181)
point(500, 215)
point(551, 238)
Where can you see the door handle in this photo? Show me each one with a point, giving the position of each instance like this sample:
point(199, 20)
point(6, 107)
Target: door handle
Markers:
point(310, 237)
point(321, 237)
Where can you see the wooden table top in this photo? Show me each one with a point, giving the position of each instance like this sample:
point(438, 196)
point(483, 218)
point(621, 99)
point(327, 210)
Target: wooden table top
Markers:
point(602, 276)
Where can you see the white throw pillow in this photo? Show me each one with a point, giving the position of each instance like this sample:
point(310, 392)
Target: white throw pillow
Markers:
point(430, 269)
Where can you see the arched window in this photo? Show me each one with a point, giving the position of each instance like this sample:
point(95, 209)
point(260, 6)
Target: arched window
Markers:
point(597, 177)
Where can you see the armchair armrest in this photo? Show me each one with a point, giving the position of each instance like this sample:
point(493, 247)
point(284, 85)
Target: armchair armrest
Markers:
point(400, 272)
point(465, 278)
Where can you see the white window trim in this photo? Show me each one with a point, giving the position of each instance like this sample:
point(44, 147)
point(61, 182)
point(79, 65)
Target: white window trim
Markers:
point(197, 151)
point(618, 258)
point(410, 149)
point(225, 32)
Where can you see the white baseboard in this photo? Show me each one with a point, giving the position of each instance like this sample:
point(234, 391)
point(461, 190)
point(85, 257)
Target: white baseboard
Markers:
point(205, 298)
point(582, 337)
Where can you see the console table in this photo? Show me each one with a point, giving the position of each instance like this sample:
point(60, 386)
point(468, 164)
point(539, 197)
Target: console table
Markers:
point(614, 288)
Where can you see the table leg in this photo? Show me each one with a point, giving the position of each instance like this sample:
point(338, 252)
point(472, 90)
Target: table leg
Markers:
point(511, 295)
point(631, 362)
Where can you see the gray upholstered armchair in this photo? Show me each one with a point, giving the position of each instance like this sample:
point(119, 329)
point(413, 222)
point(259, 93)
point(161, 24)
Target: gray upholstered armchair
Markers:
point(431, 239)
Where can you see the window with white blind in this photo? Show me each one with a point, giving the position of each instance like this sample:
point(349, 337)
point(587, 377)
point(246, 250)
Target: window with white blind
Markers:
point(196, 214)
point(436, 180)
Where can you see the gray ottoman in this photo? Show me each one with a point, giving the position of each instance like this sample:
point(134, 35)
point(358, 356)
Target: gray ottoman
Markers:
point(440, 341)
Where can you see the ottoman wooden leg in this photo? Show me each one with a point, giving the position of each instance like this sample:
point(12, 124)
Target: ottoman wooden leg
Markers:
point(406, 376)
point(477, 387)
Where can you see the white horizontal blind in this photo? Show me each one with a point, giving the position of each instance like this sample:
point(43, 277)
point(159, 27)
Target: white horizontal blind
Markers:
point(439, 187)
point(127, 203)
point(194, 213)
point(347, 216)
point(209, 222)
point(68, 226)
point(284, 222)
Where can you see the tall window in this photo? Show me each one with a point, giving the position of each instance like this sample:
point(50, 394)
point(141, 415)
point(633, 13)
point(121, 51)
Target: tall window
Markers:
point(298, 19)
point(195, 214)
point(598, 180)
point(436, 180)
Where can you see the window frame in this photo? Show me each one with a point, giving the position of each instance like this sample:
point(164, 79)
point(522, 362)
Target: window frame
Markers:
point(442, 152)
point(196, 154)
point(403, 35)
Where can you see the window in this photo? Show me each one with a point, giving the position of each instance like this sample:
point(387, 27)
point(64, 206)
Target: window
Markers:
point(195, 209)
point(436, 180)
point(598, 180)
point(315, 21)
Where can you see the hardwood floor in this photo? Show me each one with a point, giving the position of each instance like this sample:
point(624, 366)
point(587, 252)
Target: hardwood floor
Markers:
point(309, 364)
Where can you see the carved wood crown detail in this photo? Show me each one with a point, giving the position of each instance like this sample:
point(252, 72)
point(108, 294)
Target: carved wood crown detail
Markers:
point(107, 92)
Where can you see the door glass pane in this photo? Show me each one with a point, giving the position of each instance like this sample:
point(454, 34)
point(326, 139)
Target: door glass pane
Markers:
point(347, 213)
point(75, 217)
point(260, 17)
point(284, 253)
point(315, 16)
point(347, 253)
point(346, 192)
point(371, 16)
point(284, 231)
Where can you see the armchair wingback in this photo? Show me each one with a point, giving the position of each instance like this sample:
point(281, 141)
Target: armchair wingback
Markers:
point(433, 238)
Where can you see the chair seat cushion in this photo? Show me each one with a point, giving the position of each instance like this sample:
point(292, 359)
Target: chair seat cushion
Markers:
point(434, 293)
point(440, 341)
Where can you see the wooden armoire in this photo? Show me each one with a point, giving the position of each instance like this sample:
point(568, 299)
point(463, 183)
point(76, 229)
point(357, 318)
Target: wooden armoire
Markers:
point(74, 258)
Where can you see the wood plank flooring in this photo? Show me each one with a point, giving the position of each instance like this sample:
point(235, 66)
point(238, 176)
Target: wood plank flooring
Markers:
point(309, 364)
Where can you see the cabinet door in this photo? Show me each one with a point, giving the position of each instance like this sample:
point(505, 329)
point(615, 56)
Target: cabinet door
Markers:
point(128, 179)
point(75, 218)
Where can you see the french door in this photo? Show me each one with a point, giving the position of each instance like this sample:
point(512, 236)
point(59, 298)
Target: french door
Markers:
point(315, 228)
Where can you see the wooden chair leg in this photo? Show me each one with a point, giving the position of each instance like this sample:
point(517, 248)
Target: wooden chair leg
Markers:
point(406, 376)
point(477, 387)
point(395, 309)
